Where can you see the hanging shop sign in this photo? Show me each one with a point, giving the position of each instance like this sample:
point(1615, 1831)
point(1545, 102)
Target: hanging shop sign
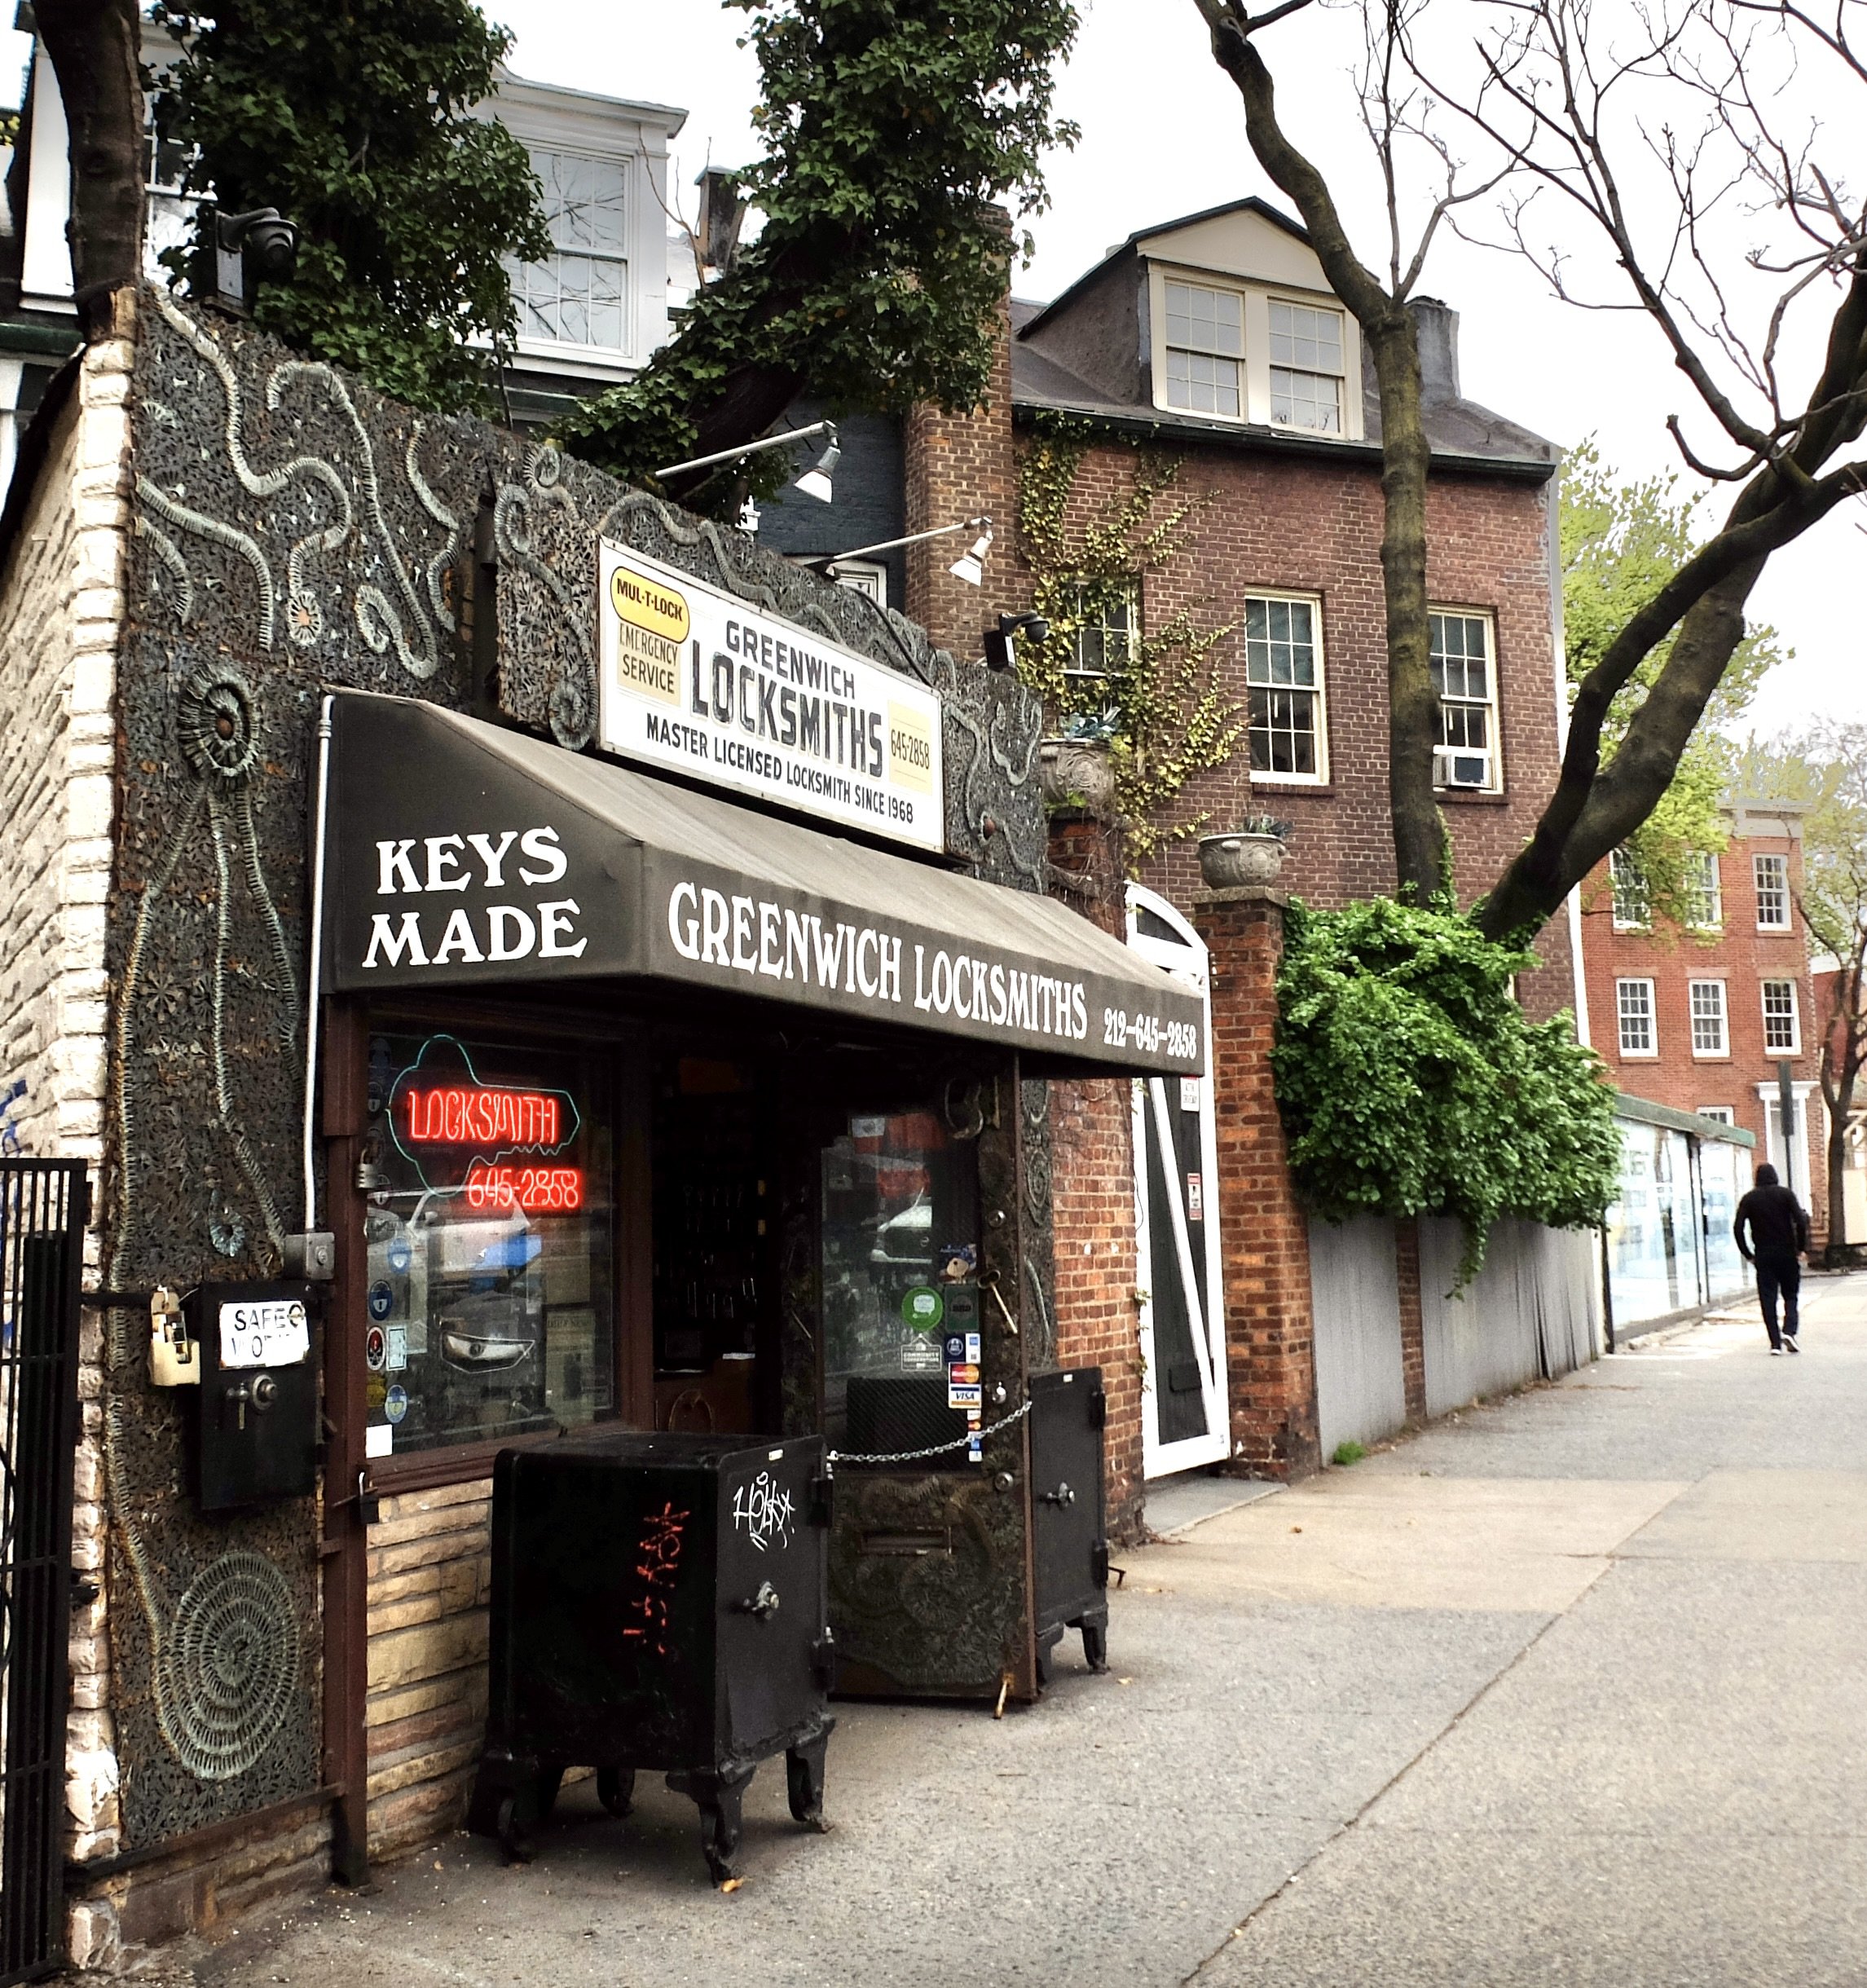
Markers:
point(699, 681)
point(465, 855)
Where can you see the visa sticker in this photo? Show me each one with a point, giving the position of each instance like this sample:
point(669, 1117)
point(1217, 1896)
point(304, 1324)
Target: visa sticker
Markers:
point(965, 1394)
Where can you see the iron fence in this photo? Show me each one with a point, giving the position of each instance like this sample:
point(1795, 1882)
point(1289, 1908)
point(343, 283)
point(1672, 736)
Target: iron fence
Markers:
point(43, 1207)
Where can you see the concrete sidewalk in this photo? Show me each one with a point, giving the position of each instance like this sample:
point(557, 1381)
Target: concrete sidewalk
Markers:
point(1570, 1690)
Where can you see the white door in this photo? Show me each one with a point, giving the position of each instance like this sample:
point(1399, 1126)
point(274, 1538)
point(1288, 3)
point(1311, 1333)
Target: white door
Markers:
point(1184, 1413)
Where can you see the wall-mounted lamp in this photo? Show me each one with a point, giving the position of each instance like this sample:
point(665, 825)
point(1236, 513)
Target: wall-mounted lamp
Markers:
point(1000, 652)
point(814, 482)
point(969, 566)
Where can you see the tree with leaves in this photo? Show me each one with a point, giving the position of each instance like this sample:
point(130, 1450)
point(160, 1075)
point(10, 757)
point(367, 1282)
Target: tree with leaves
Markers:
point(1571, 103)
point(1824, 767)
point(894, 132)
point(1620, 542)
point(357, 122)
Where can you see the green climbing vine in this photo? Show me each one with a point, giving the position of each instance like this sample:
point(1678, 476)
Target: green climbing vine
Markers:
point(1159, 701)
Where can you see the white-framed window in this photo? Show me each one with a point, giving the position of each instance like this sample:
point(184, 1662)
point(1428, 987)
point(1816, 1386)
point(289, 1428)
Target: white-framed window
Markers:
point(1782, 1025)
point(1283, 679)
point(1307, 380)
point(1633, 1001)
point(868, 576)
point(1710, 1036)
point(1205, 349)
point(1465, 675)
point(1633, 903)
point(1720, 1114)
point(1773, 876)
point(578, 295)
point(1108, 636)
point(1704, 894)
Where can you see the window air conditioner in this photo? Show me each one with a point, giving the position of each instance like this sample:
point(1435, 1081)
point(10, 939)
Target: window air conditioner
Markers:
point(1455, 767)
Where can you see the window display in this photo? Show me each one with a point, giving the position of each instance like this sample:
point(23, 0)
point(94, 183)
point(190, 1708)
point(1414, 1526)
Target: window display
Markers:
point(487, 1172)
point(900, 1282)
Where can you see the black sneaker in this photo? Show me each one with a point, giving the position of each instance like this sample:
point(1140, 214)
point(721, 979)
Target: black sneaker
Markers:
point(1789, 1345)
point(1775, 1350)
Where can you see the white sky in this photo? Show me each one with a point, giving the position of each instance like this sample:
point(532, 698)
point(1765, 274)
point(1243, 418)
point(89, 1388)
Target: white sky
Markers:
point(1164, 135)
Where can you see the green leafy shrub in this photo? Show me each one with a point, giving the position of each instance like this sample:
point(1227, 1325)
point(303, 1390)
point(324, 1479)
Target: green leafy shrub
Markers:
point(1411, 1082)
point(1347, 1452)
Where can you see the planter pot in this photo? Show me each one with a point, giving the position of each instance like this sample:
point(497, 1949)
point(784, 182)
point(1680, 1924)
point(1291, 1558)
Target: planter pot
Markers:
point(1226, 861)
point(1076, 773)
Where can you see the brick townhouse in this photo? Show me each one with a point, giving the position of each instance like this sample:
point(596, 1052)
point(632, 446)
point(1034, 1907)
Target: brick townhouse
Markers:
point(1702, 1018)
point(1213, 341)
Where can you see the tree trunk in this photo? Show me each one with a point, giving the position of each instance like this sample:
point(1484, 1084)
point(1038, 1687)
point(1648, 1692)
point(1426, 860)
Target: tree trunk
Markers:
point(1393, 340)
point(94, 49)
point(1412, 699)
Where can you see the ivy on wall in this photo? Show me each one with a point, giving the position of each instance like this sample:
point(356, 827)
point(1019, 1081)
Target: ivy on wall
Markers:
point(1160, 705)
point(1411, 1082)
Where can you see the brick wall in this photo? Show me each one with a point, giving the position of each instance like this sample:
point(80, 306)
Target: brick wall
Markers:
point(1413, 1320)
point(1092, 1198)
point(1742, 958)
point(1296, 525)
point(1265, 1235)
point(61, 610)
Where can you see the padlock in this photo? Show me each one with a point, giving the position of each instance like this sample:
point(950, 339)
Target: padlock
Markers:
point(172, 1353)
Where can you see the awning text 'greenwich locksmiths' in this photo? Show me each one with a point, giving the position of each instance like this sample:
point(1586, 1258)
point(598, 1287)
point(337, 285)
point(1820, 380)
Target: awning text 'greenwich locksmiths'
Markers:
point(701, 682)
point(463, 853)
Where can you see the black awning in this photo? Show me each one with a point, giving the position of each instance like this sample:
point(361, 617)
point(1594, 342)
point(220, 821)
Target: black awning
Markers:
point(462, 855)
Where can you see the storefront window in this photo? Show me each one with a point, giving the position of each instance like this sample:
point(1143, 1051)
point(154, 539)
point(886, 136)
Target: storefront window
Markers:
point(489, 1230)
point(900, 1278)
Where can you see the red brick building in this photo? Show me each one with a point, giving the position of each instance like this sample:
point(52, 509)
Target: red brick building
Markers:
point(1214, 341)
point(1701, 1018)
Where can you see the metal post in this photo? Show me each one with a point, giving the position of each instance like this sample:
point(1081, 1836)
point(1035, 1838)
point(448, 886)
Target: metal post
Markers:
point(1786, 1106)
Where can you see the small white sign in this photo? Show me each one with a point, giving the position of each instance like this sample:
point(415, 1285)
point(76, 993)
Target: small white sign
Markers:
point(379, 1440)
point(1189, 1094)
point(695, 680)
point(267, 1332)
point(1195, 1198)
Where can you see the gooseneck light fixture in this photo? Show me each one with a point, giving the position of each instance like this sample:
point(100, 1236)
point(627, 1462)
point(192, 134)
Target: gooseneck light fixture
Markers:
point(969, 566)
point(814, 482)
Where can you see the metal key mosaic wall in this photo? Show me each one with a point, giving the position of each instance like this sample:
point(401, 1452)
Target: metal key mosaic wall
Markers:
point(295, 532)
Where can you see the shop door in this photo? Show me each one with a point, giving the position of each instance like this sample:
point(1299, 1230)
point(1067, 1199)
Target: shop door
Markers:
point(1184, 1409)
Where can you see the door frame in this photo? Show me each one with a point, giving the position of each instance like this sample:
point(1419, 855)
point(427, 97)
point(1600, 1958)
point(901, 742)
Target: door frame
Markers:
point(1187, 962)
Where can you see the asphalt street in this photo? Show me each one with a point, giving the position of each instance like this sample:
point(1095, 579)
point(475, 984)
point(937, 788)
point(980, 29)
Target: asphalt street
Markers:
point(1571, 1689)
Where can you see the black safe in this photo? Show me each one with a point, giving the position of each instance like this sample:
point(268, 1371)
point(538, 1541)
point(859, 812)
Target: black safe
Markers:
point(658, 1602)
point(1069, 1512)
point(254, 1429)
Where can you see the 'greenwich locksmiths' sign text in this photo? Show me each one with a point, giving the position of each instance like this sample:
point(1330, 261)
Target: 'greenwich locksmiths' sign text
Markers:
point(464, 856)
point(696, 681)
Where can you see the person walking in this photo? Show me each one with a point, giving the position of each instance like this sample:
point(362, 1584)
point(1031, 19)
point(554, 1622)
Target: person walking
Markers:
point(1779, 1236)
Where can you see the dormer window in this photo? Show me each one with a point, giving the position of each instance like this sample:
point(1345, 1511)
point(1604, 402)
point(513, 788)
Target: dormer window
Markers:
point(1305, 366)
point(1205, 349)
point(578, 295)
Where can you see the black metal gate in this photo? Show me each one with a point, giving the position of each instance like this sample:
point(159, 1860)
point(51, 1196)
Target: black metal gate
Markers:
point(43, 1206)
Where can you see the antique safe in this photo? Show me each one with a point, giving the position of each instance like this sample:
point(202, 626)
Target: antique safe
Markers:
point(1069, 1516)
point(254, 1417)
point(658, 1602)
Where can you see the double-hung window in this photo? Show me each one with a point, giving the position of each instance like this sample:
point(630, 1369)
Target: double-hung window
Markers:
point(1465, 675)
point(1773, 876)
point(1709, 1034)
point(1720, 1114)
point(1306, 375)
point(579, 294)
point(1782, 1028)
point(1633, 1001)
point(1107, 636)
point(1283, 678)
point(1704, 898)
point(1205, 349)
point(1633, 902)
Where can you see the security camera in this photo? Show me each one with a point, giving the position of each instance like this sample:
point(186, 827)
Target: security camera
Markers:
point(999, 653)
point(240, 248)
point(269, 240)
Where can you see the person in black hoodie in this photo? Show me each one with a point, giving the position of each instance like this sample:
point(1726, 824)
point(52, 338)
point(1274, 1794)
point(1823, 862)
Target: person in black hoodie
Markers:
point(1779, 1235)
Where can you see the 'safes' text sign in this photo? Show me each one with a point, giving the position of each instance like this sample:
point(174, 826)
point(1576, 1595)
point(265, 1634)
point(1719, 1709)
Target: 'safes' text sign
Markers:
point(694, 680)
